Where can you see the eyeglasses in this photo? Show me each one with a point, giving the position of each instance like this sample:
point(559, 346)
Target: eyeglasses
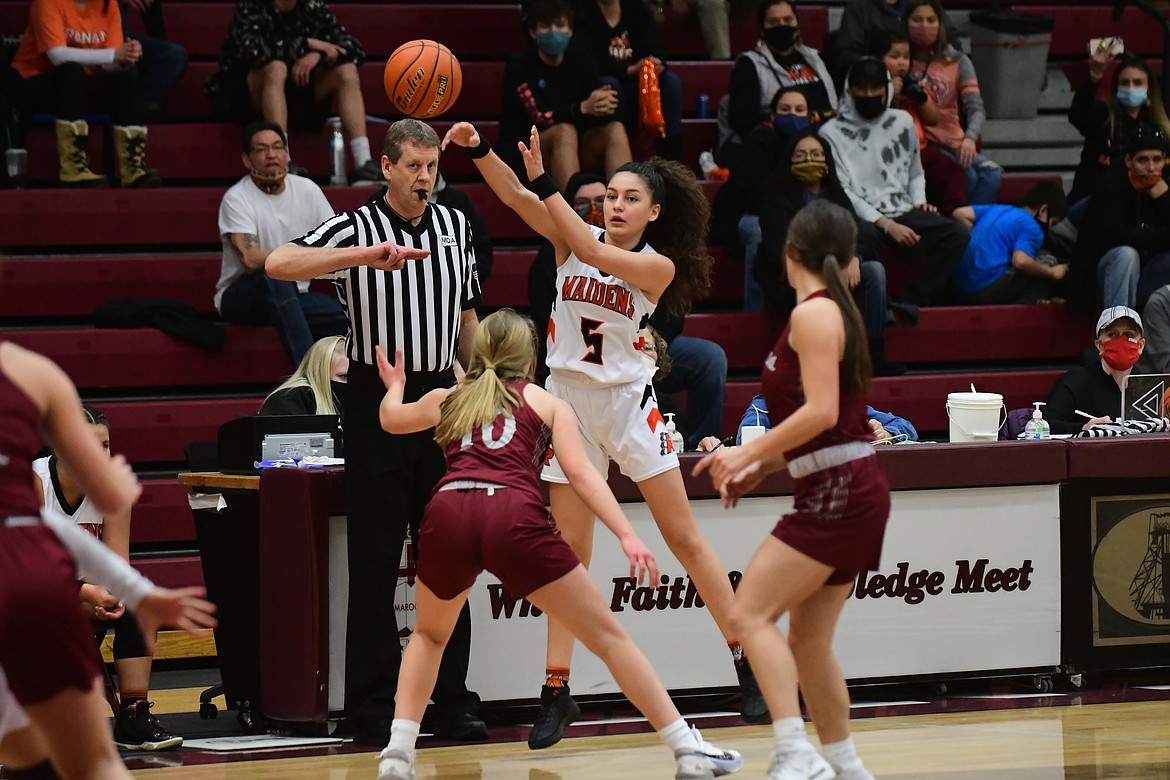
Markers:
point(265, 148)
point(583, 203)
point(815, 154)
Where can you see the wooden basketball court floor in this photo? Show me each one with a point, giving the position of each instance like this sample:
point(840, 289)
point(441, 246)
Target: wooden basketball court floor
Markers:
point(1073, 736)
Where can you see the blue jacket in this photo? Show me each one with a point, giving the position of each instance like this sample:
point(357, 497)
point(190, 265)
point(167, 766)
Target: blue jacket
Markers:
point(757, 414)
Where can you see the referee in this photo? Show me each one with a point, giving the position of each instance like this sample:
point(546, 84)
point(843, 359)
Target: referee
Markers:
point(405, 274)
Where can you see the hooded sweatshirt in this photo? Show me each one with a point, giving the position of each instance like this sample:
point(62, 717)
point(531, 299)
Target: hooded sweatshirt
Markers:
point(878, 162)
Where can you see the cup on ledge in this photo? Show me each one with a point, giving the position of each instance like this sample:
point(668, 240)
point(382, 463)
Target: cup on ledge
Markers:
point(16, 164)
point(750, 433)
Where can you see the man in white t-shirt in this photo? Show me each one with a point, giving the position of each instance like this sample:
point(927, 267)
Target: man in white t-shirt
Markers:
point(263, 210)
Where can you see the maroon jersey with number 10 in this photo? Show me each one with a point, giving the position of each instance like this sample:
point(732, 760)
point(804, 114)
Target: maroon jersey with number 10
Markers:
point(509, 451)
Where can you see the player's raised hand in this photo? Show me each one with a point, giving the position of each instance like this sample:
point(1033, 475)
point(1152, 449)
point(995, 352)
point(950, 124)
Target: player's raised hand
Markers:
point(185, 608)
point(392, 373)
point(389, 256)
point(533, 162)
point(643, 567)
point(462, 133)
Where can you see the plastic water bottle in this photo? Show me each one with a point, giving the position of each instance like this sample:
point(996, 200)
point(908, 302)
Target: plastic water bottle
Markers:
point(675, 436)
point(337, 154)
point(707, 163)
point(1037, 427)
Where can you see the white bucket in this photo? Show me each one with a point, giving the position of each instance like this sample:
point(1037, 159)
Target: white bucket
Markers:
point(975, 416)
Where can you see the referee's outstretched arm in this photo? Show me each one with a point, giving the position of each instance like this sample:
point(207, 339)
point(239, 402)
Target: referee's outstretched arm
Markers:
point(293, 262)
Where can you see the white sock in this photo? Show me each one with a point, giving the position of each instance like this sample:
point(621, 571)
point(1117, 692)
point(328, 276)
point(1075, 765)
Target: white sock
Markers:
point(790, 734)
point(842, 753)
point(360, 149)
point(403, 734)
point(678, 735)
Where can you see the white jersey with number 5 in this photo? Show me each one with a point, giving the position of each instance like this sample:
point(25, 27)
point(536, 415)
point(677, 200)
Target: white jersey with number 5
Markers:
point(597, 325)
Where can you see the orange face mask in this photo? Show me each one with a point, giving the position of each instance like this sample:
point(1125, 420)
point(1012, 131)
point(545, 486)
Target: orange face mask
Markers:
point(1141, 182)
point(592, 215)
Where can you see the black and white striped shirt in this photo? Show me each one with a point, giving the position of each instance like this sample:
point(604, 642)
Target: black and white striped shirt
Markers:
point(417, 309)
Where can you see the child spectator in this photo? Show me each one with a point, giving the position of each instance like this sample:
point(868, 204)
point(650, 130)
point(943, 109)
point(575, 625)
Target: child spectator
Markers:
point(886, 427)
point(780, 59)
point(948, 77)
point(946, 183)
point(1135, 98)
point(560, 90)
point(73, 59)
point(287, 60)
point(863, 18)
point(735, 213)
point(620, 35)
point(1000, 264)
point(880, 169)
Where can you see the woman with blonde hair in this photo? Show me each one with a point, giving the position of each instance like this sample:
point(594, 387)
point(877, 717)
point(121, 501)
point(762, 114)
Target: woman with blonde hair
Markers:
point(317, 386)
point(488, 512)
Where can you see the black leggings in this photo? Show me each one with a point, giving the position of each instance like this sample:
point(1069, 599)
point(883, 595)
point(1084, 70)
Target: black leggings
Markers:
point(128, 642)
point(68, 92)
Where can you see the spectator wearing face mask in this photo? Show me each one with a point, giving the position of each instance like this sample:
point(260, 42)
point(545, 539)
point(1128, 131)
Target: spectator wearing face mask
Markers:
point(946, 183)
point(1000, 264)
point(806, 173)
point(1122, 252)
point(780, 59)
point(1135, 98)
point(949, 78)
point(1095, 387)
point(880, 168)
point(735, 213)
point(561, 91)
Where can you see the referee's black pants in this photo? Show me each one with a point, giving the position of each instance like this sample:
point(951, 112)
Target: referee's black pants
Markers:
point(388, 482)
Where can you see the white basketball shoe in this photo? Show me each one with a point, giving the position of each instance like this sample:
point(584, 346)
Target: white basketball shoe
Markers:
point(726, 761)
point(854, 771)
point(690, 764)
point(395, 764)
point(805, 764)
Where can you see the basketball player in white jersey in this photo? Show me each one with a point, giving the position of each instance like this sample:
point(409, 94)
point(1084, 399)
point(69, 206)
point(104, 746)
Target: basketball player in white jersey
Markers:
point(651, 253)
point(135, 727)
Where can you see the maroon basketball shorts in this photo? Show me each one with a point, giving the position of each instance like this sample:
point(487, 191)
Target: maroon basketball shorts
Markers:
point(839, 518)
point(506, 531)
point(45, 643)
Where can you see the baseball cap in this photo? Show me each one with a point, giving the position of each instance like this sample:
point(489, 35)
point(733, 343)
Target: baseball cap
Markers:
point(1115, 313)
point(869, 70)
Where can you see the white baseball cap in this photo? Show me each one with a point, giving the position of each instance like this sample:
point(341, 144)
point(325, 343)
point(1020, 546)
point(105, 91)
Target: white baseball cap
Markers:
point(1113, 314)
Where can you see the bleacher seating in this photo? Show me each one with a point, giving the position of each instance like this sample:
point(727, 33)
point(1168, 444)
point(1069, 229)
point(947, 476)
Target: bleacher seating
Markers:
point(71, 251)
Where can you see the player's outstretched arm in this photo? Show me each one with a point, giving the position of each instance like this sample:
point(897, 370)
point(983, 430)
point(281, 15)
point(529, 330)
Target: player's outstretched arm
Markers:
point(393, 414)
point(587, 483)
point(648, 271)
point(503, 181)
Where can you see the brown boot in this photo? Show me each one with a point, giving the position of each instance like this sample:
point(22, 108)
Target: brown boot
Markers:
point(72, 140)
point(131, 145)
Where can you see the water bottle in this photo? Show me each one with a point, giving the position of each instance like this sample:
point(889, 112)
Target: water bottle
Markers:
point(336, 154)
point(675, 436)
point(703, 107)
point(1037, 427)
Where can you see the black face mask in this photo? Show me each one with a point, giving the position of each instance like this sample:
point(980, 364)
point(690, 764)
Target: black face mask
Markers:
point(340, 392)
point(781, 38)
point(870, 107)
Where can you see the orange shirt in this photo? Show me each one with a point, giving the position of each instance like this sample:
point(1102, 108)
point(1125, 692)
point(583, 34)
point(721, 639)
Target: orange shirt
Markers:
point(54, 23)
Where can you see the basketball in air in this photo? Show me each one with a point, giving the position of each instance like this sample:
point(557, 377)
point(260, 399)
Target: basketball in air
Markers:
point(422, 79)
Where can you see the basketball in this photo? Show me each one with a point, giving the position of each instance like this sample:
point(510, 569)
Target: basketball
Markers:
point(422, 78)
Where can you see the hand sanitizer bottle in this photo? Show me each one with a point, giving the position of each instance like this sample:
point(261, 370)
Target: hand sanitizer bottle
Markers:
point(675, 436)
point(1037, 427)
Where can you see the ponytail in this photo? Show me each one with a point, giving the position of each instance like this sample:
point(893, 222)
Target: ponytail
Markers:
point(504, 351)
point(856, 369)
point(821, 233)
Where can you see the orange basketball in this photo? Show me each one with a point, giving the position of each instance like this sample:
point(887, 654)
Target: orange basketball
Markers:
point(422, 78)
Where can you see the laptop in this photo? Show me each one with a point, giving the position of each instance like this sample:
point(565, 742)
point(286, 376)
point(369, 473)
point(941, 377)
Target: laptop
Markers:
point(1144, 397)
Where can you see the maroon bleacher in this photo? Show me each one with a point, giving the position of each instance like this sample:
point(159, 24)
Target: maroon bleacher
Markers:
point(162, 514)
